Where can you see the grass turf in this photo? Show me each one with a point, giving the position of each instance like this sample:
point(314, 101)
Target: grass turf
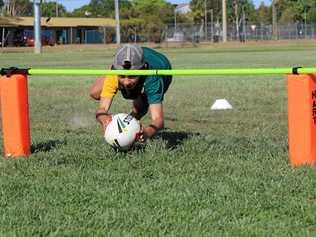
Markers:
point(209, 173)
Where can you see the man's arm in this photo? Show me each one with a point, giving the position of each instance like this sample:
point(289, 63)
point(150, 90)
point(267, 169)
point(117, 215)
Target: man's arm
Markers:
point(157, 120)
point(101, 114)
point(96, 88)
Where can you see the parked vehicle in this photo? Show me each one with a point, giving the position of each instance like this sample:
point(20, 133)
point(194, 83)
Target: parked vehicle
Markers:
point(45, 41)
point(19, 39)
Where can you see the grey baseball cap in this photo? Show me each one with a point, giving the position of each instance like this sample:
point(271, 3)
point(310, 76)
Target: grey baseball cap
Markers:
point(129, 56)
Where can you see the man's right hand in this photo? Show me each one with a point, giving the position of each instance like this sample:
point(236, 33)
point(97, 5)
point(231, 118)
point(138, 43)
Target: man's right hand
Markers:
point(103, 118)
point(105, 121)
point(101, 114)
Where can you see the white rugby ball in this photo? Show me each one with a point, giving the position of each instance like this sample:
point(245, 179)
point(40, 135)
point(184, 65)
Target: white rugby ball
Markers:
point(121, 131)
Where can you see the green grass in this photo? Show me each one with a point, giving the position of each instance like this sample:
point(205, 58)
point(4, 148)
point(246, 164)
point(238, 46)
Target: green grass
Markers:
point(210, 173)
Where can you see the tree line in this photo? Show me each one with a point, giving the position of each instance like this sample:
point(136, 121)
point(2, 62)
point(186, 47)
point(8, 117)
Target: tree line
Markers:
point(149, 17)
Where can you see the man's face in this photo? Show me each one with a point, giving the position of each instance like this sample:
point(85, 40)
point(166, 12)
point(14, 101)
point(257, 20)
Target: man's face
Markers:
point(128, 82)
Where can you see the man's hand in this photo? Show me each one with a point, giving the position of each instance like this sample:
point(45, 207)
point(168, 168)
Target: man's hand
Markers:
point(101, 114)
point(103, 118)
point(140, 136)
point(157, 120)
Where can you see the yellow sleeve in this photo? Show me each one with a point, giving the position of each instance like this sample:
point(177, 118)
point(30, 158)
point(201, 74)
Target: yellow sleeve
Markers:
point(110, 86)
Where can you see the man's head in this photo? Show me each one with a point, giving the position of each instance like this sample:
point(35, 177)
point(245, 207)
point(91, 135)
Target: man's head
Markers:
point(129, 57)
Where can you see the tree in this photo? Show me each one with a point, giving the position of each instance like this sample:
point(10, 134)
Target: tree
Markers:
point(160, 8)
point(290, 11)
point(274, 20)
point(49, 9)
point(288, 16)
point(18, 8)
point(234, 9)
point(264, 14)
point(1, 7)
point(311, 15)
point(83, 11)
point(156, 14)
point(198, 11)
point(240, 12)
point(100, 8)
point(132, 28)
point(197, 7)
point(144, 19)
point(103, 8)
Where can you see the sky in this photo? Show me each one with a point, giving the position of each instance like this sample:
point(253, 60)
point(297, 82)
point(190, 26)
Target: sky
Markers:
point(72, 4)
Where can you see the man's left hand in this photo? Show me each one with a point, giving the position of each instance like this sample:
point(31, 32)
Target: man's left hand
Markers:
point(140, 136)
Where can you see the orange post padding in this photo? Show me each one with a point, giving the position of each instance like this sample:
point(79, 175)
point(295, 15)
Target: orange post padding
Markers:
point(302, 119)
point(15, 115)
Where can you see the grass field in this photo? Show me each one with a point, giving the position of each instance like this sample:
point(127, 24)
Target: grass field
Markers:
point(209, 173)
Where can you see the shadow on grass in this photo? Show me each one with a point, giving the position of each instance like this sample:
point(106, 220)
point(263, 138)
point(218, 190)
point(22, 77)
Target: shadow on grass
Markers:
point(46, 146)
point(174, 139)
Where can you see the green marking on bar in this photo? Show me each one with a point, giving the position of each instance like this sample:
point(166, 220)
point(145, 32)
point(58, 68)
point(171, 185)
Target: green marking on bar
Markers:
point(173, 72)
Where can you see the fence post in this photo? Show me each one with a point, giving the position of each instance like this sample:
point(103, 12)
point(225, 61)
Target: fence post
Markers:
point(15, 115)
point(302, 119)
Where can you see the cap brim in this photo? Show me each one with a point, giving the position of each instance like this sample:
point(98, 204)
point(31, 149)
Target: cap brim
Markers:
point(119, 67)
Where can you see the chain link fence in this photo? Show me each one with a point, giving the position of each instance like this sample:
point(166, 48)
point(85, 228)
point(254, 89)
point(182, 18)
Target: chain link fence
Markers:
point(245, 32)
point(180, 33)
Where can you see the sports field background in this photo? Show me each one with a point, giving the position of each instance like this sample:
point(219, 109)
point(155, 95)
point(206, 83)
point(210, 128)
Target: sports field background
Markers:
point(210, 173)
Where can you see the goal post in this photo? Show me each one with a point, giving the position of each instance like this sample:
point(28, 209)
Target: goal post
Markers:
point(302, 118)
point(301, 86)
point(15, 115)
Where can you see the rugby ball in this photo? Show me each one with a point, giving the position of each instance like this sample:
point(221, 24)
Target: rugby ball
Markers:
point(121, 132)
